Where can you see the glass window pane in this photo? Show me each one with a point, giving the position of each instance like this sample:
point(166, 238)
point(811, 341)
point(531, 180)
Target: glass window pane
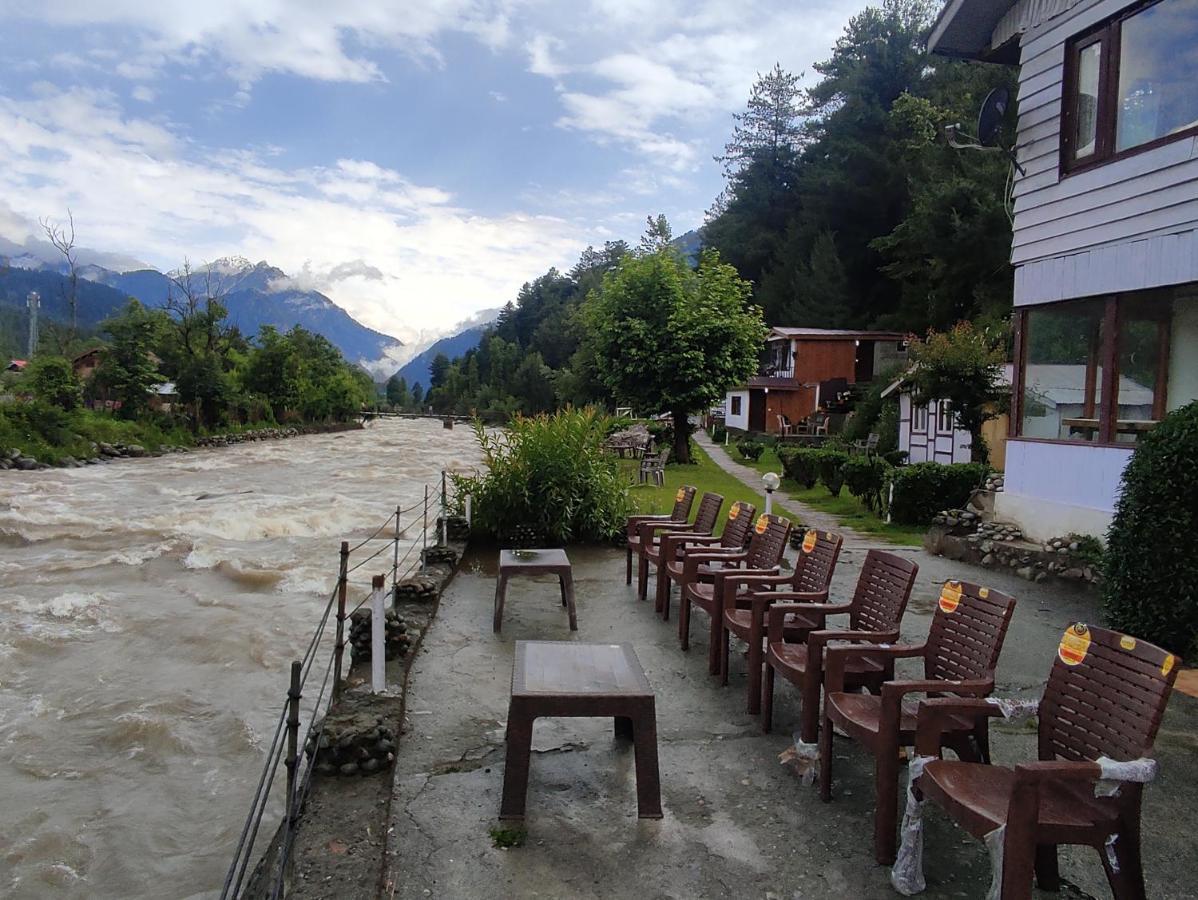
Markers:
point(1143, 322)
point(1088, 63)
point(1062, 381)
point(1158, 71)
point(1183, 349)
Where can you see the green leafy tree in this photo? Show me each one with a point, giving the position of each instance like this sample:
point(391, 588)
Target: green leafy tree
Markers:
point(670, 338)
point(417, 395)
point(397, 391)
point(963, 367)
point(128, 368)
point(53, 381)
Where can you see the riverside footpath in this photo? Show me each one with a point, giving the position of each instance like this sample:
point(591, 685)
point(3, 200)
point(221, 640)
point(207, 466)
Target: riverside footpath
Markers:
point(737, 823)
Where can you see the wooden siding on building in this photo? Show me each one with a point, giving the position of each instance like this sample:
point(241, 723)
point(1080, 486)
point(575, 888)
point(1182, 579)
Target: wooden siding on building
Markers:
point(1072, 234)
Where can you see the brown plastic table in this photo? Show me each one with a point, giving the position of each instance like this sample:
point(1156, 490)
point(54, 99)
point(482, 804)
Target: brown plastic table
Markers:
point(563, 678)
point(535, 562)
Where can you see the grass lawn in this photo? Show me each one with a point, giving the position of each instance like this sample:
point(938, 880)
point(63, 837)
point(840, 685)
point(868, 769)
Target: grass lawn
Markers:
point(705, 476)
point(846, 507)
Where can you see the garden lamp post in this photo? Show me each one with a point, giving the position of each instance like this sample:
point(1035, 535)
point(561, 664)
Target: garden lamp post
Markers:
point(771, 481)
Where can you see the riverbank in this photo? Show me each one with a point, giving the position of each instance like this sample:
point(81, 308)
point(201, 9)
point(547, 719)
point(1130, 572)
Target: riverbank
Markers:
point(85, 438)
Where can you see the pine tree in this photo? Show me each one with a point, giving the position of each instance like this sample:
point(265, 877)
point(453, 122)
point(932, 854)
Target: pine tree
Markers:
point(770, 128)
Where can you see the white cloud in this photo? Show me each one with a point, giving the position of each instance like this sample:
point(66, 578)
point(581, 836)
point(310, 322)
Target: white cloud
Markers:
point(540, 56)
point(399, 256)
point(144, 94)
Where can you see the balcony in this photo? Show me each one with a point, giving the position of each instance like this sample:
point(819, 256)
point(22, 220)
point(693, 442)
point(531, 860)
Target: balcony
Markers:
point(771, 375)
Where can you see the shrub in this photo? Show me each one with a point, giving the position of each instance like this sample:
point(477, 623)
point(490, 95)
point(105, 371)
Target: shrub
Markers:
point(750, 449)
point(1151, 584)
point(718, 434)
point(53, 382)
point(865, 477)
point(896, 457)
point(923, 489)
point(831, 469)
point(801, 464)
point(548, 479)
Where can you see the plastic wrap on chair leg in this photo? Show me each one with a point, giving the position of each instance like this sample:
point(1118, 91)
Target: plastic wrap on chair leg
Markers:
point(803, 757)
point(1016, 710)
point(906, 875)
point(994, 843)
point(1114, 773)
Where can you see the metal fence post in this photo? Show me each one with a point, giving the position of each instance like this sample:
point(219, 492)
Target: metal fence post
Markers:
point(444, 512)
point(395, 554)
point(424, 535)
point(378, 632)
point(293, 722)
point(339, 646)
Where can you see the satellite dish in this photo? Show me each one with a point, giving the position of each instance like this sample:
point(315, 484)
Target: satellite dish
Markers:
point(994, 109)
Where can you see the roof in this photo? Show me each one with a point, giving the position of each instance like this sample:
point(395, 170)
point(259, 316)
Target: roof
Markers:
point(1003, 378)
point(964, 29)
point(86, 353)
point(167, 388)
point(18, 363)
point(835, 334)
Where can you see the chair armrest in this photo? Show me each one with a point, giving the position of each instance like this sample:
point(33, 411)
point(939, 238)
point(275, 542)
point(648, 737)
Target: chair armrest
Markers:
point(1057, 770)
point(836, 658)
point(647, 529)
point(934, 713)
point(807, 599)
point(633, 522)
point(779, 611)
point(733, 579)
point(692, 561)
point(894, 691)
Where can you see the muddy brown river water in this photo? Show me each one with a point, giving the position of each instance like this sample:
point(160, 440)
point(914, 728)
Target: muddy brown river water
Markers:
point(145, 637)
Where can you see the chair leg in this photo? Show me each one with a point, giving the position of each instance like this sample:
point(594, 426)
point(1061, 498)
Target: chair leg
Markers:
point(713, 642)
point(809, 713)
point(825, 761)
point(767, 699)
point(684, 621)
point(642, 580)
point(725, 640)
point(663, 581)
point(886, 807)
point(1048, 872)
point(753, 705)
point(628, 565)
point(1127, 879)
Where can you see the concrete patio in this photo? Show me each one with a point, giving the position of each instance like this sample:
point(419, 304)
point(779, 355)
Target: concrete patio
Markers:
point(737, 823)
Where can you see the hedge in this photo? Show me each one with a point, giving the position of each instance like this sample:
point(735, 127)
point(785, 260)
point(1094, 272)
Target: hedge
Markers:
point(865, 477)
point(831, 469)
point(800, 464)
point(1151, 570)
point(923, 489)
point(750, 450)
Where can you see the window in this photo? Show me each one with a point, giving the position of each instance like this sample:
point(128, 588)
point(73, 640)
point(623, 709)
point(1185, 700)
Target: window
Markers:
point(1106, 369)
point(735, 405)
point(1129, 84)
point(919, 418)
point(944, 417)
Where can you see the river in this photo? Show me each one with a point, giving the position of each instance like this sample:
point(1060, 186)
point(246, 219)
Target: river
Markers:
point(145, 638)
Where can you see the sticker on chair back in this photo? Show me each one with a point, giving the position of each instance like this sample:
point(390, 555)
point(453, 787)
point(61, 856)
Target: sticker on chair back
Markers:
point(1127, 642)
point(950, 596)
point(1167, 665)
point(681, 495)
point(1075, 644)
point(763, 522)
point(809, 540)
point(734, 512)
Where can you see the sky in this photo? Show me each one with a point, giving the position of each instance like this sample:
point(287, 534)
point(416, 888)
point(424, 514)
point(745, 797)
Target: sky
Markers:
point(415, 161)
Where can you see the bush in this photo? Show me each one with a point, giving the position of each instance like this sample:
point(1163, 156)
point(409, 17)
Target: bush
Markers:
point(865, 477)
point(548, 480)
point(801, 464)
point(923, 489)
point(831, 469)
point(53, 382)
point(896, 457)
point(718, 434)
point(750, 449)
point(1151, 584)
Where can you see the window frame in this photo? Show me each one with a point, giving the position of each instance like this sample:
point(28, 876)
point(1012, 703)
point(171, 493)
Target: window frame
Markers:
point(919, 417)
point(735, 406)
point(1109, 31)
point(946, 420)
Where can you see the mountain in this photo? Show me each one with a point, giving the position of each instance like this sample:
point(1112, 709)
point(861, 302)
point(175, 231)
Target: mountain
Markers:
point(690, 245)
point(96, 301)
point(418, 369)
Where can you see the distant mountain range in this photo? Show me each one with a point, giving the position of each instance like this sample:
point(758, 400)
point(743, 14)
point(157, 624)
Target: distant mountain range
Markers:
point(418, 369)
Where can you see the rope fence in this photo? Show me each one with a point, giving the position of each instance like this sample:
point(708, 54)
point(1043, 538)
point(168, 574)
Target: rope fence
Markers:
point(411, 524)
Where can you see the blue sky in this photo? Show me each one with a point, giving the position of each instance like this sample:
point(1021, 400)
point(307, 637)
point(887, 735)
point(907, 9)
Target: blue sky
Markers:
point(415, 161)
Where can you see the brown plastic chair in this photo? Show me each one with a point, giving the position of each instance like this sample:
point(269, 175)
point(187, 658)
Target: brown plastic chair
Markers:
point(650, 534)
point(675, 547)
point(683, 500)
point(875, 611)
point(744, 615)
point(766, 546)
point(1105, 697)
point(959, 656)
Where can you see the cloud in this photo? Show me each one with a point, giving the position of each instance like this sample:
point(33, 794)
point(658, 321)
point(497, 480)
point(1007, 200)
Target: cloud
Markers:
point(540, 56)
point(399, 256)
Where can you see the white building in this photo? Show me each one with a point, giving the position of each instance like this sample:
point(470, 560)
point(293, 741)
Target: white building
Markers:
point(1105, 242)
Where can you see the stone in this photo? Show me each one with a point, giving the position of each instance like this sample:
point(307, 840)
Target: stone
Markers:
point(369, 766)
point(1073, 574)
point(988, 559)
point(1026, 572)
point(1040, 576)
point(348, 769)
point(25, 464)
point(1074, 547)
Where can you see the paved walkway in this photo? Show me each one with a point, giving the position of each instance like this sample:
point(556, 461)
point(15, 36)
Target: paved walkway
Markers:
point(810, 517)
point(737, 823)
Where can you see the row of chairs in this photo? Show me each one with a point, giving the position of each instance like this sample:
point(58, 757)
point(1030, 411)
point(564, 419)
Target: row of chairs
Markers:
point(1102, 706)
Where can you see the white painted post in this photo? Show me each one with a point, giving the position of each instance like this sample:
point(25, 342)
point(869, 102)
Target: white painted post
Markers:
point(889, 502)
point(469, 510)
point(769, 502)
point(378, 631)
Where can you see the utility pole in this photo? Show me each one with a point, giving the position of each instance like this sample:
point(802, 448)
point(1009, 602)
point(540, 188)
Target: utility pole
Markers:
point(34, 301)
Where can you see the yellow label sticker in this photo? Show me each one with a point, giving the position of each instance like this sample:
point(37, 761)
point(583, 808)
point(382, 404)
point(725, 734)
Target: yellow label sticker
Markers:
point(1127, 643)
point(1075, 644)
point(1168, 664)
point(809, 540)
point(984, 592)
point(763, 522)
point(734, 512)
point(680, 495)
point(950, 596)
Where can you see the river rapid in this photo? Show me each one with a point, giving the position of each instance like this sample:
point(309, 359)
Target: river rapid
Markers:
point(145, 639)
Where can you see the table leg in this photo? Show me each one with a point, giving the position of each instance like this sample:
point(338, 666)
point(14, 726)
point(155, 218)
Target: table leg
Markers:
point(515, 767)
point(648, 779)
point(500, 596)
point(623, 727)
point(567, 582)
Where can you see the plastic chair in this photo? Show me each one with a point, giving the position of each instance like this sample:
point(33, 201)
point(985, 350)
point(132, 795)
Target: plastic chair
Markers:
point(683, 500)
point(676, 547)
point(650, 534)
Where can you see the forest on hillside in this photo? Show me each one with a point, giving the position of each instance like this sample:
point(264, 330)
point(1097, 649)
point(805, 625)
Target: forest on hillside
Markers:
point(843, 206)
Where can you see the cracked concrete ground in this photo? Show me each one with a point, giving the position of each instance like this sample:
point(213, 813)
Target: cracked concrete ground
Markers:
point(737, 823)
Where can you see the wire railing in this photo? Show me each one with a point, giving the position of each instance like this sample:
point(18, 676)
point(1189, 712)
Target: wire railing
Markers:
point(409, 525)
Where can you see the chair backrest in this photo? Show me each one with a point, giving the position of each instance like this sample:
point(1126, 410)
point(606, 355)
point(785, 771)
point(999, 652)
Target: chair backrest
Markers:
point(871, 442)
point(882, 592)
point(816, 561)
point(739, 525)
point(967, 633)
point(1105, 696)
point(683, 500)
point(709, 513)
point(768, 541)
